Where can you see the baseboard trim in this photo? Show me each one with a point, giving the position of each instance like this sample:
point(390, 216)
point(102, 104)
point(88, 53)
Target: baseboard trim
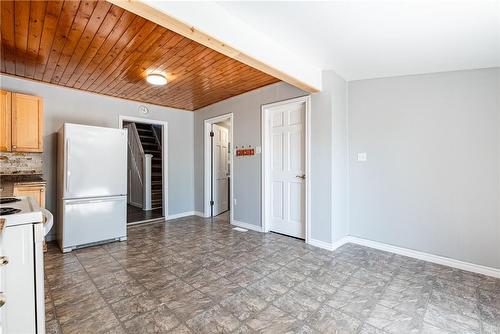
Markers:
point(146, 221)
point(446, 261)
point(182, 215)
point(199, 214)
point(321, 244)
point(246, 226)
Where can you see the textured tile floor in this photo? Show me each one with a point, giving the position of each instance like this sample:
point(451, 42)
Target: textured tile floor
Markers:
point(193, 276)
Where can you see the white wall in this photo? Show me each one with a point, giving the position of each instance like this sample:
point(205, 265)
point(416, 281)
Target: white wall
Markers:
point(247, 131)
point(340, 156)
point(329, 218)
point(68, 105)
point(328, 152)
point(432, 179)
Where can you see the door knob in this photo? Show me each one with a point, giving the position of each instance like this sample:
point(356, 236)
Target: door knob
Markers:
point(2, 299)
point(3, 260)
point(303, 176)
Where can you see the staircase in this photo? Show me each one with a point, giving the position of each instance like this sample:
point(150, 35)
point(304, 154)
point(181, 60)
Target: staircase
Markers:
point(150, 137)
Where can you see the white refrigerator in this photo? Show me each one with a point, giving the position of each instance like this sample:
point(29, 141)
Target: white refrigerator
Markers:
point(92, 185)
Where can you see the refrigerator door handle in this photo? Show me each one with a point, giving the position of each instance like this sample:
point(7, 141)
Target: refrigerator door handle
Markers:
point(95, 200)
point(68, 171)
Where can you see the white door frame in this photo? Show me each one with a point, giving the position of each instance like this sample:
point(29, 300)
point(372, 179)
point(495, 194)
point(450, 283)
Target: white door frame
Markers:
point(164, 158)
point(206, 135)
point(266, 170)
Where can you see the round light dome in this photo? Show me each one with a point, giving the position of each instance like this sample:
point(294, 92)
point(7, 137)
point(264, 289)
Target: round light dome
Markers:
point(156, 79)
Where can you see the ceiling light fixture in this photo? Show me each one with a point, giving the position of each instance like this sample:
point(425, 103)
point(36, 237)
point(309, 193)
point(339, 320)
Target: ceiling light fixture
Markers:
point(156, 79)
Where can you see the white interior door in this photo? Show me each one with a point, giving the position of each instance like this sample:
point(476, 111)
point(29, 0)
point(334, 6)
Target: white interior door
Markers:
point(220, 171)
point(287, 164)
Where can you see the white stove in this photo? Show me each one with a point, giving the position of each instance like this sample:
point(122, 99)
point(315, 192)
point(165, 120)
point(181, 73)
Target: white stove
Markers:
point(20, 210)
point(22, 303)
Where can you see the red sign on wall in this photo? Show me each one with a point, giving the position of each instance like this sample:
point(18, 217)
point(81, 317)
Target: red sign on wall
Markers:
point(245, 151)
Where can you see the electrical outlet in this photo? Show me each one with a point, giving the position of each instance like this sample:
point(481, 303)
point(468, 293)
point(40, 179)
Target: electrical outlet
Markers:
point(235, 201)
point(362, 157)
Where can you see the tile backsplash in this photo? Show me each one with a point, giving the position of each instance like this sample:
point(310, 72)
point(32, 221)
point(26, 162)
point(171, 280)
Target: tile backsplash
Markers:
point(20, 163)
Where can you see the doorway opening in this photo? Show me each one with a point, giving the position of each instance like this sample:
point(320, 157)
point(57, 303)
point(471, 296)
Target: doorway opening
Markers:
point(285, 167)
point(218, 164)
point(146, 169)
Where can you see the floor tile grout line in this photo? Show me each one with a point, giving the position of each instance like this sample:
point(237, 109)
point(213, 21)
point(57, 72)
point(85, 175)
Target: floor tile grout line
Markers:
point(100, 293)
point(147, 290)
point(52, 302)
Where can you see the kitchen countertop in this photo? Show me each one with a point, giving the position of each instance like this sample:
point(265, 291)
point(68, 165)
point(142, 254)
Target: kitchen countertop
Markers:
point(7, 182)
point(22, 178)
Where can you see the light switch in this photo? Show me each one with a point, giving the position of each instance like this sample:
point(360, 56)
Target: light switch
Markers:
point(362, 156)
point(258, 150)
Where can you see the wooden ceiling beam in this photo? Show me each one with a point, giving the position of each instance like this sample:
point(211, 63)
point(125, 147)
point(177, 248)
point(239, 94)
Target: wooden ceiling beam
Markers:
point(188, 31)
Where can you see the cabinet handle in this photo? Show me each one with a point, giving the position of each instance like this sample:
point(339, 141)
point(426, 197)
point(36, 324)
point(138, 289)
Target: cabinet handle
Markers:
point(42, 190)
point(14, 147)
point(2, 223)
point(4, 260)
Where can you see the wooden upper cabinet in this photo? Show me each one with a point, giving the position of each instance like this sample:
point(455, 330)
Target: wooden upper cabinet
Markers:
point(5, 120)
point(27, 123)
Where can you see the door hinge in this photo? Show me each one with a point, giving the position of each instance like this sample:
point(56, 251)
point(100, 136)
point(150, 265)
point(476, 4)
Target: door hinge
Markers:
point(212, 202)
point(211, 133)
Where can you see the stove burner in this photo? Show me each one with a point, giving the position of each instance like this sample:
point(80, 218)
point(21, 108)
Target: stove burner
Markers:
point(8, 211)
point(6, 200)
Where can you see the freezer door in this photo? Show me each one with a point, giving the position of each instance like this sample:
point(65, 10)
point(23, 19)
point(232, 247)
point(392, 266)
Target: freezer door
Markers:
point(92, 220)
point(95, 161)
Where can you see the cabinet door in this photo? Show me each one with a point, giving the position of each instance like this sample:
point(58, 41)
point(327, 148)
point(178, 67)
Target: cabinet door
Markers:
point(27, 123)
point(37, 192)
point(5, 118)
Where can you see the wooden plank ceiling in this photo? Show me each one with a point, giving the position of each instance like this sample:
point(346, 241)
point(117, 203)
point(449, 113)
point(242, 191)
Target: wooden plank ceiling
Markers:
point(98, 47)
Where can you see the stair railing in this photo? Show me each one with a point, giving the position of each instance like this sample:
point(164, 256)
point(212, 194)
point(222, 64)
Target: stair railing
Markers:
point(157, 140)
point(139, 192)
point(146, 188)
